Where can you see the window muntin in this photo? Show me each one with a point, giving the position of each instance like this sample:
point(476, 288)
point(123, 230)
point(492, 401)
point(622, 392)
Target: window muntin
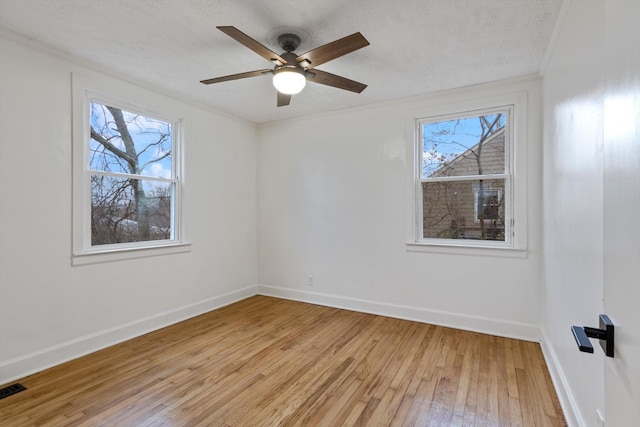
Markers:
point(464, 178)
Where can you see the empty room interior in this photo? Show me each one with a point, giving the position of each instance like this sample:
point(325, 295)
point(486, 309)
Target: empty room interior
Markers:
point(436, 226)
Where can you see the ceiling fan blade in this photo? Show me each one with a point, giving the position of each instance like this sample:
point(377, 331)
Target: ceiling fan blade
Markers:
point(252, 44)
point(283, 99)
point(237, 76)
point(334, 50)
point(329, 79)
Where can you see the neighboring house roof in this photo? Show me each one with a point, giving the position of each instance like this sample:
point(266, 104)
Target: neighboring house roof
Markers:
point(450, 167)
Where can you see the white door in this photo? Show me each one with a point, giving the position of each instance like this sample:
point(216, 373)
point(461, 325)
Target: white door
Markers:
point(622, 209)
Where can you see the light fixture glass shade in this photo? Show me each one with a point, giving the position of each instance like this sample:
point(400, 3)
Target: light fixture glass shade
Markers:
point(289, 81)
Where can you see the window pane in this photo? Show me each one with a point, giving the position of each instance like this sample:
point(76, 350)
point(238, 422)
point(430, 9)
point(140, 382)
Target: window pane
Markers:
point(473, 209)
point(468, 146)
point(130, 143)
point(130, 210)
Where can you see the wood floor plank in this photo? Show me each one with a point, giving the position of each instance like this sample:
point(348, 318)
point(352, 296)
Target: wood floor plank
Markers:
point(504, 413)
point(471, 402)
point(267, 361)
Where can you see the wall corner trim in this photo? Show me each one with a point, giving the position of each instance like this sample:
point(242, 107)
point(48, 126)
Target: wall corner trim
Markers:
point(564, 9)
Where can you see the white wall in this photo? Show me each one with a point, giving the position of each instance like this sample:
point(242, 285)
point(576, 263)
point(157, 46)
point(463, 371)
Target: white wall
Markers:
point(573, 206)
point(51, 311)
point(332, 201)
point(333, 192)
point(325, 196)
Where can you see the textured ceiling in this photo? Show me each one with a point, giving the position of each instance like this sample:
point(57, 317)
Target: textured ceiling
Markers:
point(417, 46)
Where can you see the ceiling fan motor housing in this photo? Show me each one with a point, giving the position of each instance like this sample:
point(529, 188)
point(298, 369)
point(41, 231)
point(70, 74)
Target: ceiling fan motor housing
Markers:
point(289, 42)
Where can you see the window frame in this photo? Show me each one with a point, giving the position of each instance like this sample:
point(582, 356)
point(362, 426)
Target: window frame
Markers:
point(135, 100)
point(458, 106)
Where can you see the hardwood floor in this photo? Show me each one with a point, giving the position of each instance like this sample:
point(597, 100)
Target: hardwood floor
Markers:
point(267, 362)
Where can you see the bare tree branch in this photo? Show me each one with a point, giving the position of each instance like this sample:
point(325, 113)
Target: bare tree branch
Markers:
point(109, 146)
point(164, 156)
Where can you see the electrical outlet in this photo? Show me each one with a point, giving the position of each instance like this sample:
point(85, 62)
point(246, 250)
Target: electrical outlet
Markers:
point(309, 280)
point(599, 418)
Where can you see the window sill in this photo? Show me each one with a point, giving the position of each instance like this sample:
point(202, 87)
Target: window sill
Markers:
point(459, 249)
point(128, 253)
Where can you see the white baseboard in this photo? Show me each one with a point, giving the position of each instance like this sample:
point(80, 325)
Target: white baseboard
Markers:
point(501, 328)
point(37, 361)
point(560, 383)
point(42, 359)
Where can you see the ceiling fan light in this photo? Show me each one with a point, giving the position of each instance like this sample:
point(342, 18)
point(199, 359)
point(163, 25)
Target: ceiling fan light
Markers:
point(289, 80)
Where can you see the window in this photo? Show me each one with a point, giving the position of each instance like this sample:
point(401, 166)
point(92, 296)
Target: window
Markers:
point(464, 178)
point(133, 181)
point(488, 203)
point(127, 177)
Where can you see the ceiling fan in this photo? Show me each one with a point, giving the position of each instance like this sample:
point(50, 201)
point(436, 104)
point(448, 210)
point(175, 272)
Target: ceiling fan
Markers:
point(291, 70)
